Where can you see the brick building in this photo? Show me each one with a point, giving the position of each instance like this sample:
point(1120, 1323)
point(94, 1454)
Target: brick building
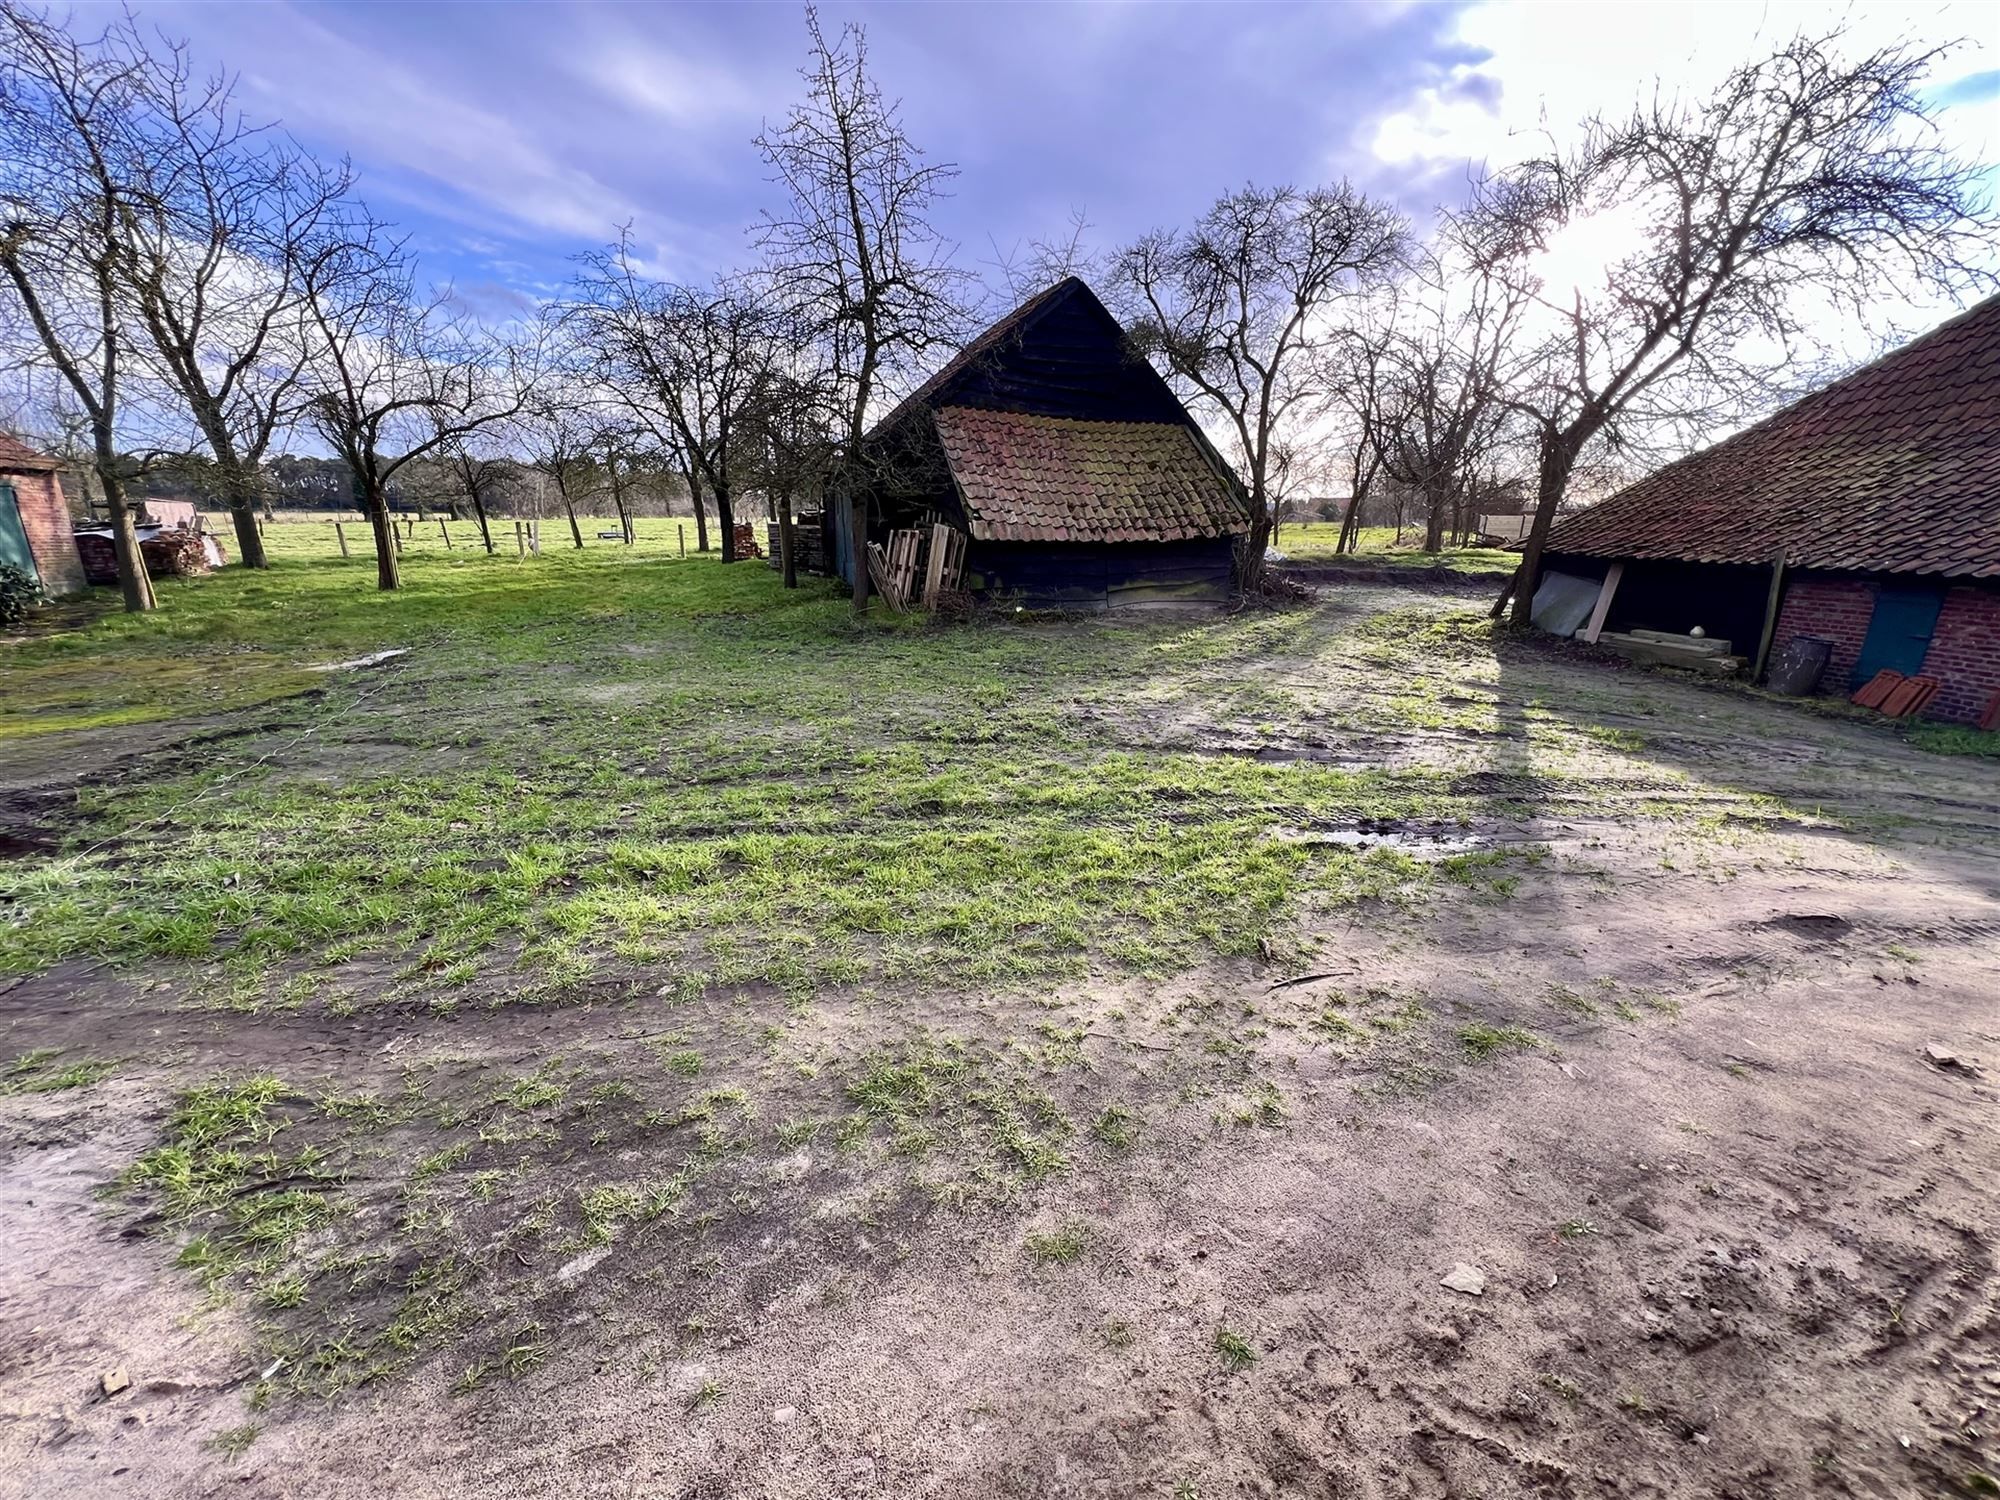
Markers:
point(1866, 515)
point(35, 531)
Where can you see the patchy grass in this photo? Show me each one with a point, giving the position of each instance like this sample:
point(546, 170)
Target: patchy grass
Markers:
point(1954, 739)
point(1062, 1246)
point(36, 1072)
point(1236, 1352)
point(1482, 1041)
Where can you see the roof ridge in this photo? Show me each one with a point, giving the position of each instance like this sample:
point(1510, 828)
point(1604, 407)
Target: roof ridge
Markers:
point(977, 346)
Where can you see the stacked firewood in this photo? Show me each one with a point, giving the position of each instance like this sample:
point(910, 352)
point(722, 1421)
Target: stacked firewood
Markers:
point(174, 552)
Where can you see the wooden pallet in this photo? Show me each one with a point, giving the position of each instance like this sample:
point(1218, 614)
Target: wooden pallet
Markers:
point(895, 568)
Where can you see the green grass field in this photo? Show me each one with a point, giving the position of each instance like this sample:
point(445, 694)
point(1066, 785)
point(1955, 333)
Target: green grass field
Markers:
point(615, 756)
point(1376, 547)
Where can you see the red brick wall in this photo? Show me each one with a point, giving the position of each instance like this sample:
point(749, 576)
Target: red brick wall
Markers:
point(45, 517)
point(1965, 654)
point(1834, 609)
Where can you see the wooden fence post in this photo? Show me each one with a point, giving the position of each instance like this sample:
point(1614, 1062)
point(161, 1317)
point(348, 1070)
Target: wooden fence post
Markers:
point(535, 536)
point(340, 535)
point(683, 532)
point(443, 532)
point(520, 540)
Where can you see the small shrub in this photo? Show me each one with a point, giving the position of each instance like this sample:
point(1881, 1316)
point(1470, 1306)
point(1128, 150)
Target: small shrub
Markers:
point(18, 594)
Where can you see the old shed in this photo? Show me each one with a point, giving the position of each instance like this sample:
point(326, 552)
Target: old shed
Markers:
point(1076, 475)
point(35, 531)
point(1866, 516)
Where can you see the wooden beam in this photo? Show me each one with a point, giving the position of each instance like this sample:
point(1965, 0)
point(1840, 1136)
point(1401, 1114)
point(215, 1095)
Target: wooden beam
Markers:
point(1603, 606)
point(1771, 608)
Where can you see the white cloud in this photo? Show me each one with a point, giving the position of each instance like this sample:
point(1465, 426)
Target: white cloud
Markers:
point(416, 135)
point(1550, 66)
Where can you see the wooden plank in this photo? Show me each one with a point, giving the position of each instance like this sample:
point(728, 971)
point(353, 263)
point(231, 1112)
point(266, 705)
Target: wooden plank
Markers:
point(1603, 605)
point(340, 535)
point(934, 566)
point(1771, 608)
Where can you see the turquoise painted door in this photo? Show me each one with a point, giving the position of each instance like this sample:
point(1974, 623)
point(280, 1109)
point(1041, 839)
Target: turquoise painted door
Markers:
point(14, 536)
point(1899, 632)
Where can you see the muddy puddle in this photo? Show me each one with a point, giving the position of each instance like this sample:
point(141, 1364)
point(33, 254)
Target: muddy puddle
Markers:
point(1422, 839)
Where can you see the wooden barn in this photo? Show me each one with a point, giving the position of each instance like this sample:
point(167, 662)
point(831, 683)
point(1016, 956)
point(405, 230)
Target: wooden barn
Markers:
point(1076, 476)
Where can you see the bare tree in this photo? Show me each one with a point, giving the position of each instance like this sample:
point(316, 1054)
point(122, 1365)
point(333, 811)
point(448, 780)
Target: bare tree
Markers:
point(1805, 183)
point(69, 143)
point(1359, 390)
point(853, 252)
point(790, 442)
point(477, 473)
point(1243, 310)
point(209, 232)
point(393, 377)
point(1439, 405)
point(619, 445)
point(561, 432)
point(618, 331)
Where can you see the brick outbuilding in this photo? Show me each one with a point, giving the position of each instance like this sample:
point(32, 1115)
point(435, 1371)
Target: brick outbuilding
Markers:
point(1866, 516)
point(36, 534)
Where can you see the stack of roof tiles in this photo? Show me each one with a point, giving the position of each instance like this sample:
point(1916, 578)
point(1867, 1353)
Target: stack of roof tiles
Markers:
point(1895, 469)
point(1027, 478)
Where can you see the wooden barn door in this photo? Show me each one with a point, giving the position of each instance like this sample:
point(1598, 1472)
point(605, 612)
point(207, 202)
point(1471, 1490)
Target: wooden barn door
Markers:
point(1899, 632)
point(14, 536)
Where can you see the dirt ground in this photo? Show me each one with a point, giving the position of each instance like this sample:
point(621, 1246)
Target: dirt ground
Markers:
point(1705, 1095)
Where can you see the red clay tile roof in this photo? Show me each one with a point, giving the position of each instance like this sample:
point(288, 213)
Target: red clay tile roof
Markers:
point(17, 457)
point(1895, 469)
point(1055, 479)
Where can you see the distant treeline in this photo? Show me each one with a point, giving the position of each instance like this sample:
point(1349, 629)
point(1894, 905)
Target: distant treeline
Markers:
point(508, 487)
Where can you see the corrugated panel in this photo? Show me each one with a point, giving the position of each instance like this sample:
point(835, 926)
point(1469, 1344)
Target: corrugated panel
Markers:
point(1895, 469)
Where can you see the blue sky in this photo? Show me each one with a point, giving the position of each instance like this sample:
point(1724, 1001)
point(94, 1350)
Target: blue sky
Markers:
point(505, 139)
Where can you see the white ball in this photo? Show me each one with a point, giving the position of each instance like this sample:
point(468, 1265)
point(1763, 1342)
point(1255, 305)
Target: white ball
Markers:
point(1697, 632)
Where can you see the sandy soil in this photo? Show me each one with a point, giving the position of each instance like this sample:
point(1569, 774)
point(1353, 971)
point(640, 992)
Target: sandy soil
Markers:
point(1736, 1225)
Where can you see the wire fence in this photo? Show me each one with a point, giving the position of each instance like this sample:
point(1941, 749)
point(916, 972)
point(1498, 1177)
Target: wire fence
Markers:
point(319, 534)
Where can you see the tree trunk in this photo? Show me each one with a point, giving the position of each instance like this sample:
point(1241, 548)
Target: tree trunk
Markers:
point(485, 531)
point(618, 500)
point(788, 552)
point(1434, 522)
point(725, 517)
point(575, 531)
point(1350, 524)
point(134, 582)
point(239, 493)
point(857, 532)
point(700, 514)
point(388, 576)
point(1558, 459)
point(1250, 559)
